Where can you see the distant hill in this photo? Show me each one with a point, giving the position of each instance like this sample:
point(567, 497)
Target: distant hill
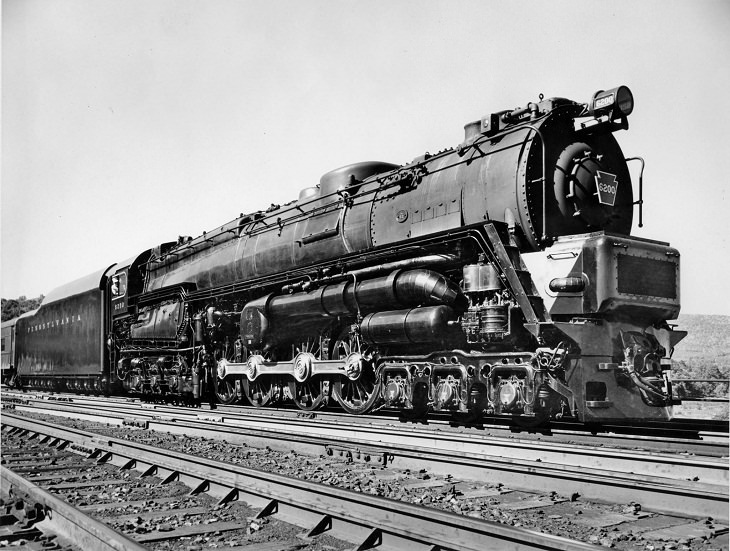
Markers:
point(703, 354)
point(707, 343)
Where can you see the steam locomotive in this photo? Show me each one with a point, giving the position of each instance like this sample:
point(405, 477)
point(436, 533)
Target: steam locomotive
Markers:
point(496, 277)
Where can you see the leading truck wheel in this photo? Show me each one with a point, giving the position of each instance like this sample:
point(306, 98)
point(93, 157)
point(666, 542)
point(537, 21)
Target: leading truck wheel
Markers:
point(358, 390)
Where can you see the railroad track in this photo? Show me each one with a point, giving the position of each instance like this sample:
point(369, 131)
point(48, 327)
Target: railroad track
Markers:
point(703, 437)
point(640, 458)
point(362, 519)
point(35, 515)
point(665, 483)
point(697, 437)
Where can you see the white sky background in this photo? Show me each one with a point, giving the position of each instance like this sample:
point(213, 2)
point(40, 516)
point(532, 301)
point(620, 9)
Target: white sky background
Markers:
point(126, 123)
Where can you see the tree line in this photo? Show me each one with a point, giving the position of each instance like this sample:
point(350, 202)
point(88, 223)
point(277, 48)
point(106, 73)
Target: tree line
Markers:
point(704, 369)
point(14, 307)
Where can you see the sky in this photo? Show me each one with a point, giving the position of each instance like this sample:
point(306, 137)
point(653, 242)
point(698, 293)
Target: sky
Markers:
point(126, 123)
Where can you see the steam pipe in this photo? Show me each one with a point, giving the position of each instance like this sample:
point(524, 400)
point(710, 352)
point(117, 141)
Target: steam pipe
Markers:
point(432, 260)
point(400, 289)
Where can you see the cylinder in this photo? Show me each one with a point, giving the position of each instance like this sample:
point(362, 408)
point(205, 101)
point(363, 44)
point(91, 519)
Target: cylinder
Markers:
point(396, 290)
point(340, 299)
point(414, 326)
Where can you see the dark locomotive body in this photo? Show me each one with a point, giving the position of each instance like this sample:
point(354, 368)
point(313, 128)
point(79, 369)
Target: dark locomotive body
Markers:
point(62, 343)
point(494, 277)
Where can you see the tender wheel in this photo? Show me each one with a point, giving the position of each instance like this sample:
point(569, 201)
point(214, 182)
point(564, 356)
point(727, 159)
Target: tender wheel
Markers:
point(358, 391)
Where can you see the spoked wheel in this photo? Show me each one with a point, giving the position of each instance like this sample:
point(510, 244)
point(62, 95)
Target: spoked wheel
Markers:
point(225, 388)
point(259, 392)
point(358, 391)
point(313, 392)
point(309, 395)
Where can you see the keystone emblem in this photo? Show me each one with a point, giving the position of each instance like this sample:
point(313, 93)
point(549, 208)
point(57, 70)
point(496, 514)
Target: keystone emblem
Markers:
point(607, 188)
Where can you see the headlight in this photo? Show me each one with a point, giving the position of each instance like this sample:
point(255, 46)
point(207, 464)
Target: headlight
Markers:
point(616, 102)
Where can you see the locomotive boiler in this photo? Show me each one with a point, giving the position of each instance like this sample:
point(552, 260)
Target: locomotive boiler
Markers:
point(498, 276)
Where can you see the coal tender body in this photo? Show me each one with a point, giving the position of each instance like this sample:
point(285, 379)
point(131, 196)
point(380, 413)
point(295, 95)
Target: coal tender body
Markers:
point(496, 277)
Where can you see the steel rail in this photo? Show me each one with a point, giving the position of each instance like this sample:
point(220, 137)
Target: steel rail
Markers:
point(671, 438)
point(66, 520)
point(399, 441)
point(687, 429)
point(368, 520)
point(697, 428)
point(659, 494)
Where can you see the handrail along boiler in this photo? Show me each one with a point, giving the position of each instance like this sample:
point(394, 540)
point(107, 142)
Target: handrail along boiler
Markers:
point(495, 277)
